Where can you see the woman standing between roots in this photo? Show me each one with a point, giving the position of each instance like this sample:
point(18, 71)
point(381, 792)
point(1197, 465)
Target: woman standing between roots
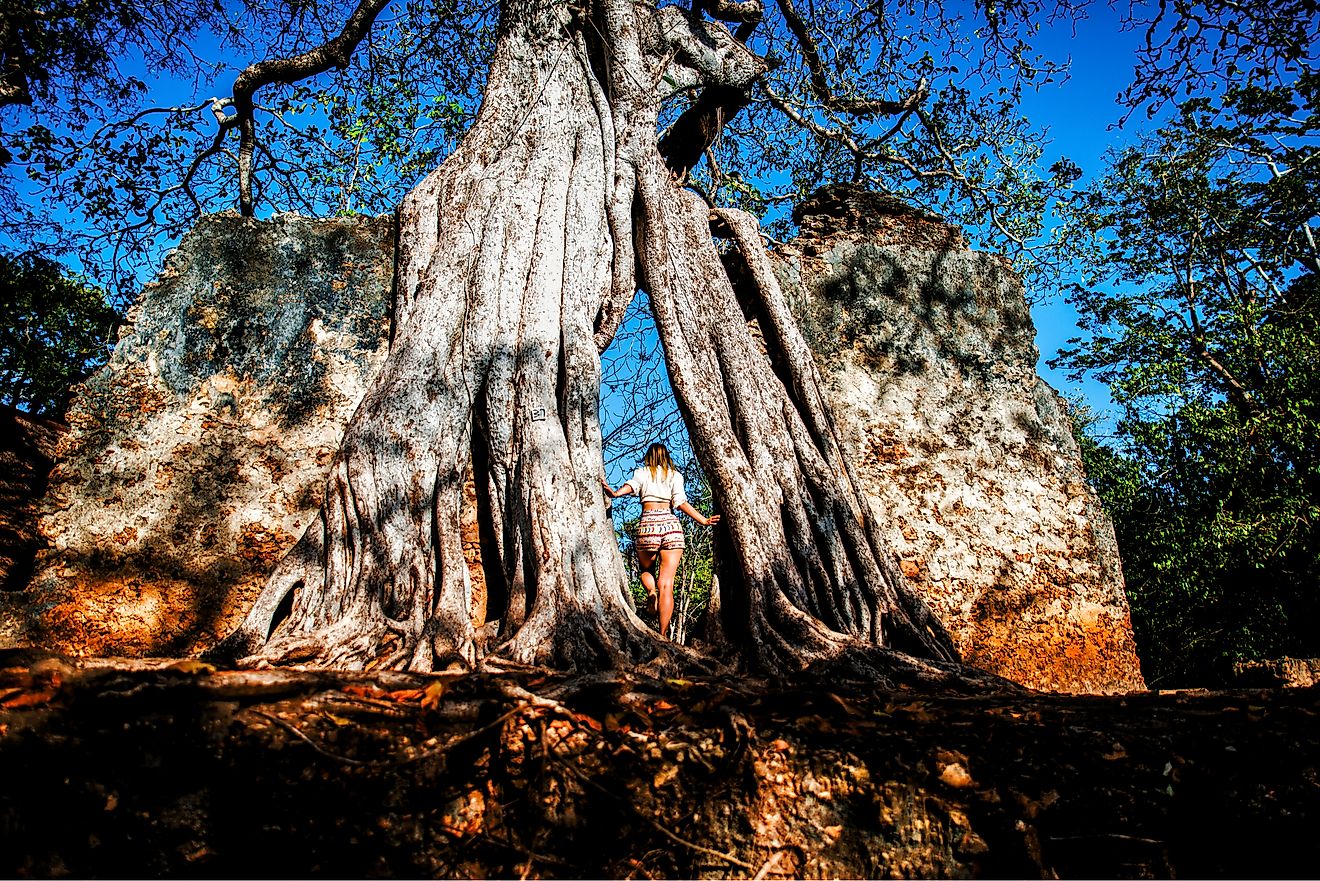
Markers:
point(660, 486)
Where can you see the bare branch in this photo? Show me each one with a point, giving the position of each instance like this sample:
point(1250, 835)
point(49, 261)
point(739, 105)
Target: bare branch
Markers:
point(820, 85)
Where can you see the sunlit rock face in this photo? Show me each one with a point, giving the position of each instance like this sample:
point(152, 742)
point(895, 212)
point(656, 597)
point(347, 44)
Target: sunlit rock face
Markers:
point(928, 352)
point(198, 455)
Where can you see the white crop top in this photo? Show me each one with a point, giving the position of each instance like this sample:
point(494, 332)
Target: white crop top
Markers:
point(667, 489)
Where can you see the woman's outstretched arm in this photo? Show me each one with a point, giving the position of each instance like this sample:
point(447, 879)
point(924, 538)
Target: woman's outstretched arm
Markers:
point(697, 515)
point(625, 490)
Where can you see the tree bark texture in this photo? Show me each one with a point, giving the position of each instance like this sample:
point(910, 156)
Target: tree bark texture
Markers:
point(516, 260)
point(815, 578)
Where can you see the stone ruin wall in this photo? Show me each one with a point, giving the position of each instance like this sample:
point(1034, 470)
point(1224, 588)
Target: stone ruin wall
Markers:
point(197, 456)
point(928, 352)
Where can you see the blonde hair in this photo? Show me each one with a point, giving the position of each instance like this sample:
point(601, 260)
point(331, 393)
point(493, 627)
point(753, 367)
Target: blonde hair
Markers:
point(658, 461)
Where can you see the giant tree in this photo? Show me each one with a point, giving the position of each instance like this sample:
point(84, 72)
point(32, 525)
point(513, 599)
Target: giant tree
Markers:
point(603, 160)
point(516, 259)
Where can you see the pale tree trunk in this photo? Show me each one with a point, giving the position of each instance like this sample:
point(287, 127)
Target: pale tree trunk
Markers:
point(817, 581)
point(505, 259)
point(516, 261)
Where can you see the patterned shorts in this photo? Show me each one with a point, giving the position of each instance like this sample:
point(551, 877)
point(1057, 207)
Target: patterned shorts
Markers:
point(660, 531)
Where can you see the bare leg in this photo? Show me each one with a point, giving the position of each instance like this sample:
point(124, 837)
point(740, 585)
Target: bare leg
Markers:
point(668, 566)
point(646, 560)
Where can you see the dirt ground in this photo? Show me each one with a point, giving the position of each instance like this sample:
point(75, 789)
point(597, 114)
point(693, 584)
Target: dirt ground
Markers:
point(132, 768)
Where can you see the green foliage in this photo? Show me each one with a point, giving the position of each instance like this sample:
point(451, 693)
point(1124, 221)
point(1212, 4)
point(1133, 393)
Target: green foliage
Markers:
point(1218, 540)
point(53, 331)
point(116, 148)
point(1202, 314)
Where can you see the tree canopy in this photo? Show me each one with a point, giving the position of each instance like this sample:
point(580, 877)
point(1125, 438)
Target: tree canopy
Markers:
point(1200, 316)
point(123, 116)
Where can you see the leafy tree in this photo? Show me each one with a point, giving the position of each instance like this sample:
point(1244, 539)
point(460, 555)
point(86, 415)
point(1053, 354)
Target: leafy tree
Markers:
point(1201, 316)
point(53, 331)
point(121, 118)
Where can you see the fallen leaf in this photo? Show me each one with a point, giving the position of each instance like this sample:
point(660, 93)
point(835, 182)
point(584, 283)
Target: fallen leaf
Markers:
point(956, 775)
point(588, 721)
point(407, 694)
point(192, 667)
point(1118, 753)
point(29, 699)
point(972, 844)
point(665, 774)
point(433, 694)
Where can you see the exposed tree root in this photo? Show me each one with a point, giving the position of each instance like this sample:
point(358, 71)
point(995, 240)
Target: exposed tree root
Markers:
point(175, 768)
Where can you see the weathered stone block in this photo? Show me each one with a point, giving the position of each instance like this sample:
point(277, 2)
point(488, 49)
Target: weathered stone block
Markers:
point(928, 352)
point(1277, 673)
point(198, 454)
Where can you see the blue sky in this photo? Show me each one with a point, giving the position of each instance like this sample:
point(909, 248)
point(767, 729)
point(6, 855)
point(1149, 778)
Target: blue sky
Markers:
point(1082, 114)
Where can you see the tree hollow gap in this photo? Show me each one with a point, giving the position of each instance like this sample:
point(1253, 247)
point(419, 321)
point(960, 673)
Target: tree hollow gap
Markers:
point(496, 599)
point(750, 301)
point(284, 609)
point(638, 408)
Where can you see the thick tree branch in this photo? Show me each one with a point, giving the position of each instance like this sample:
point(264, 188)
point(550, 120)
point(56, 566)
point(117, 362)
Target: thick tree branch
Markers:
point(741, 11)
point(708, 48)
point(728, 69)
point(336, 52)
point(693, 133)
